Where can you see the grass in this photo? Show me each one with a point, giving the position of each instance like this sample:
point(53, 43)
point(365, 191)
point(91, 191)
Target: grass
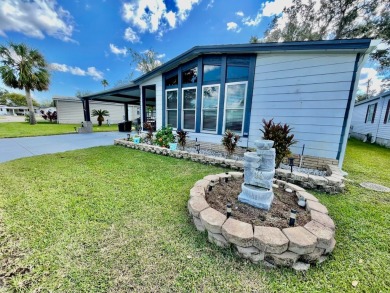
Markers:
point(112, 219)
point(22, 129)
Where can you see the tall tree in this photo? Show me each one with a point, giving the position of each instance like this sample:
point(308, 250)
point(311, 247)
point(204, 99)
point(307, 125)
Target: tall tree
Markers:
point(104, 83)
point(24, 68)
point(15, 99)
point(146, 61)
point(336, 19)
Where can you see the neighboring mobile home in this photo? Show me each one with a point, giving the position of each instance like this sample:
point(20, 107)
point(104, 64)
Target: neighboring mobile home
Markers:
point(70, 111)
point(371, 118)
point(309, 85)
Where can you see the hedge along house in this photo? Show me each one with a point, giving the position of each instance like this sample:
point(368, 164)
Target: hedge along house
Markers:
point(208, 89)
point(372, 118)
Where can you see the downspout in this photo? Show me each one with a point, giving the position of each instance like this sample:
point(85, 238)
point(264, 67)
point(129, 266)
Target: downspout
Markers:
point(362, 61)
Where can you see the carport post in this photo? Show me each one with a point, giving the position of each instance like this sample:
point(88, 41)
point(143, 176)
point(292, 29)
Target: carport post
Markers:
point(87, 115)
point(126, 112)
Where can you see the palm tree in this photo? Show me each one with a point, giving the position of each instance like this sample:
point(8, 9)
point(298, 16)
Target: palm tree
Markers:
point(24, 68)
point(104, 83)
point(100, 113)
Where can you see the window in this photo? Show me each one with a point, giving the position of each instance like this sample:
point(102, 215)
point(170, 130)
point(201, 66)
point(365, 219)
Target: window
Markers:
point(387, 116)
point(171, 112)
point(211, 73)
point(173, 80)
point(237, 72)
point(210, 98)
point(190, 75)
point(234, 106)
point(370, 115)
point(189, 105)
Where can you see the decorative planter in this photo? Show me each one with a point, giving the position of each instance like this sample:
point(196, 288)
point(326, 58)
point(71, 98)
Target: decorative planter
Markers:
point(136, 139)
point(173, 146)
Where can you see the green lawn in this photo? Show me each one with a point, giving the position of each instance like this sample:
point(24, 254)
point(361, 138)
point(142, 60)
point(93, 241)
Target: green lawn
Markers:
point(113, 219)
point(21, 129)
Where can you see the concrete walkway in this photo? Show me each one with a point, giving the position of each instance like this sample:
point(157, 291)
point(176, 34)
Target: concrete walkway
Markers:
point(14, 148)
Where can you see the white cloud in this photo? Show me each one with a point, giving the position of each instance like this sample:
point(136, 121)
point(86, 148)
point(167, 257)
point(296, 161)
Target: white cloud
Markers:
point(240, 13)
point(117, 51)
point(369, 73)
point(152, 15)
point(252, 21)
point(91, 71)
point(232, 26)
point(36, 19)
point(210, 4)
point(276, 7)
point(160, 56)
point(131, 35)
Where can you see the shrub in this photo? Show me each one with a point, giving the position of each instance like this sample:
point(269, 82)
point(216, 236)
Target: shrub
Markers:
point(27, 117)
point(182, 138)
point(149, 135)
point(100, 115)
point(164, 136)
point(229, 141)
point(281, 136)
point(49, 115)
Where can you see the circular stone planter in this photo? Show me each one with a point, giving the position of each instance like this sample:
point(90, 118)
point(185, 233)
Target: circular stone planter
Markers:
point(296, 247)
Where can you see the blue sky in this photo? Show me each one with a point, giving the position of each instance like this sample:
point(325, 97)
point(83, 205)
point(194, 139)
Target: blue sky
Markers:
point(85, 41)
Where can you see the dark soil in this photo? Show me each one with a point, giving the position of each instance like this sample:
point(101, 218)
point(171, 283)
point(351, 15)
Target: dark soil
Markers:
point(278, 216)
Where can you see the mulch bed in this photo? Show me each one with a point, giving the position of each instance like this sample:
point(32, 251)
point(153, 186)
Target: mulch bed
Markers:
point(277, 216)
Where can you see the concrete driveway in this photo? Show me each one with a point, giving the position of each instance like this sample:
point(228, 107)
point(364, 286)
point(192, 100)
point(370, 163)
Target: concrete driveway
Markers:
point(14, 148)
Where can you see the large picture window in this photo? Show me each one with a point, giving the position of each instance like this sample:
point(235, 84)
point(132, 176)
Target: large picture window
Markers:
point(210, 98)
point(189, 105)
point(235, 94)
point(171, 106)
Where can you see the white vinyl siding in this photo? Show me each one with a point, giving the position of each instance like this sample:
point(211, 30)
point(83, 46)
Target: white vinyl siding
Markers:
point(157, 81)
point(308, 91)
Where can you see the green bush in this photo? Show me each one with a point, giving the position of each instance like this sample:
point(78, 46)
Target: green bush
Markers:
point(229, 141)
point(280, 134)
point(164, 136)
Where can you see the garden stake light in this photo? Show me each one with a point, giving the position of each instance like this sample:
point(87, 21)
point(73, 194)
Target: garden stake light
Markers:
point(293, 215)
point(197, 145)
point(128, 136)
point(291, 163)
point(228, 210)
point(226, 178)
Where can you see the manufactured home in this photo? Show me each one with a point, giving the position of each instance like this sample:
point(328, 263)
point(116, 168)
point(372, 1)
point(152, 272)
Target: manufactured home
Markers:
point(309, 85)
point(371, 119)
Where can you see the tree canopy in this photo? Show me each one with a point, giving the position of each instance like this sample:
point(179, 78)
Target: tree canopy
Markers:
point(24, 68)
point(15, 99)
point(146, 61)
point(336, 19)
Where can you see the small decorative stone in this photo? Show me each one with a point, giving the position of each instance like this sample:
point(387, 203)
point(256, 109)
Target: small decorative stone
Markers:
point(270, 239)
point(275, 186)
point(289, 190)
point(301, 240)
point(251, 253)
point(301, 266)
point(218, 239)
point(286, 259)
point(324, 234)
point(212, 220)
point(198, 224)
point(322, 219)
point(293, 187)
point(315, 205)
point(238, 232)
point(197, 204)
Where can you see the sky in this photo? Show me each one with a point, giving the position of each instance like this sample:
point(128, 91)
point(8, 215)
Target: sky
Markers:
point(86, 41)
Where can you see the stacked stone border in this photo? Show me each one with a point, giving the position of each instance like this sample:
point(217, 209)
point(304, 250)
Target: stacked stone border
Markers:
point(332, 183)
point(296, 247)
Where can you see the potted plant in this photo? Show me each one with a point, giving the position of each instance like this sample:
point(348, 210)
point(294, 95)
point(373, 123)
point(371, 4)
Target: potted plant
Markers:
point(164, 137)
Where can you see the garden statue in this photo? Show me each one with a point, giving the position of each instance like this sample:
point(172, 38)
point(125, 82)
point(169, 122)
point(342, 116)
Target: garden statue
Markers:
point(259, 171)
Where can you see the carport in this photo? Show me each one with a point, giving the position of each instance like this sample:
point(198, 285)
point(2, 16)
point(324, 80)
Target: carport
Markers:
point(131, 94)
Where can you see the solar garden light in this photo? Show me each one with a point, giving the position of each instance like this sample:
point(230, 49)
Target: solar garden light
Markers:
point(291, 163)
point(128, 136)
point(293, 215)
point(226, 178)
point(228, 209)
point(197, 145)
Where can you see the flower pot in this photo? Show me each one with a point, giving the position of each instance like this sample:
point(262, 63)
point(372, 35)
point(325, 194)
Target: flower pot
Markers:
point(173, 146)
point(136, 139)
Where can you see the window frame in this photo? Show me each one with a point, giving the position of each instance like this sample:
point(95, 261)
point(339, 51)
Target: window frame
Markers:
point(372, 118)
point(182, 107)
point(171, 109)
point(201, 109)
point(243, 108)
